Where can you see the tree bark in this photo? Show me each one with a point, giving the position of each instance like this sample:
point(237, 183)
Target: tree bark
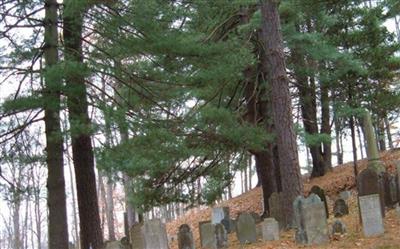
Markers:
point(282, 109)
point(56, 200)
point(82, 150)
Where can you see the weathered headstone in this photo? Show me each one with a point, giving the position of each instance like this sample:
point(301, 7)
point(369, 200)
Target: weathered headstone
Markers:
point(221, 236)
point(374, 162)
point(370, 208)
point(345, 195)
point(390, 187)
point(340, 208)
point(135, 236)
point(368, 183)
point(185, 237)
point(338, 227)
point(246, 229)
point(270, 229)
point(321, 194)
point(154, 234)
point(276, 208)
point(207, 235)
point(310, 220)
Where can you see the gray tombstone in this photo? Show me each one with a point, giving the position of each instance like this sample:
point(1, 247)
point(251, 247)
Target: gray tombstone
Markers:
point(340, 208)
point(185, 237)
point(246, 229)
point(275, 208)
point(135, 236)
point(321, 194)
point(368, 183)
point(370, 208)
point(390, 188)
point(345, 195)
point(270, 229)
point(154, 234)
point(338, 227)
point(221, 236)
point(310, 220)
point(207, 235)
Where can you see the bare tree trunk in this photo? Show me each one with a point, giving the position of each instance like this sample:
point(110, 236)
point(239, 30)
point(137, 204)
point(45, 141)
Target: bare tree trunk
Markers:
point(360, 141)
point(110, 210)
point(282, 109)
point(397, 24)
point(250, 173)
point(17, 243)
point(82, 150)
point(56, 201)
point(388, 133)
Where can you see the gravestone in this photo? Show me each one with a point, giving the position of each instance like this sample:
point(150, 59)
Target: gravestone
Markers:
point(390, 189)
point(270, 229)
point(368, 183)
point(275, 208)
point(221, 236)
point(340, 208)
point(207, 235)
point(370, 208)
point(185, 237)
point(345, 195)
point(338, 228)
point(321, 194)
point(310, 220)
point(246, 229)
point(154, 235)
point(135, 236)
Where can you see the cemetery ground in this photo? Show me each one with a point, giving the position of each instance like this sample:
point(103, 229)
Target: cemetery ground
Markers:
point(340, 179)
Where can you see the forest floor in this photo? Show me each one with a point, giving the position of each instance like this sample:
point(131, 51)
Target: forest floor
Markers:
point(340, 179)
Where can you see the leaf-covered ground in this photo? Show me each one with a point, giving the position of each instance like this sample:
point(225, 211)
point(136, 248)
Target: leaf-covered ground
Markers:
point(341, 178)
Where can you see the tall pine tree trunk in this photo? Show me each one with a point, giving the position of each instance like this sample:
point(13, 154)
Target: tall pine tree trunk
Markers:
point(56, 200)
point(282, 109)
point(82, 150)
point(326, 126)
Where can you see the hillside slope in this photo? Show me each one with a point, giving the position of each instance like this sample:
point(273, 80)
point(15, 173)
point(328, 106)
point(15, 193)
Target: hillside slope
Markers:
point(341, 178)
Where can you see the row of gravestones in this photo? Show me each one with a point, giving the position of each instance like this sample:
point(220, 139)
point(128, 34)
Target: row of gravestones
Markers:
point(213, 234)
point(375, 192)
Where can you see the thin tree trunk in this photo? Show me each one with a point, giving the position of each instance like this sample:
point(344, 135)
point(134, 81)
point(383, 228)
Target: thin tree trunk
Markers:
point(360, 141)
point(17, 243)
point(250, 173)
point(397, 24)
point(110, 210)
point(82, 151)
point(325, 126)
point(388, 133)
point(56, 200)
point(282, 109)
